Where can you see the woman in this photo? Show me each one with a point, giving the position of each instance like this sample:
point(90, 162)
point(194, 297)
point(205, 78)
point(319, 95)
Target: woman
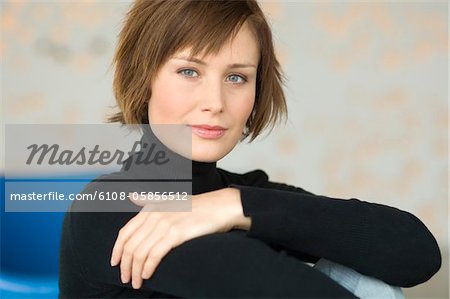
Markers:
point(209, 66)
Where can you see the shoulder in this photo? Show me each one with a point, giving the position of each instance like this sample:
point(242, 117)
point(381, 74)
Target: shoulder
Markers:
point(108, 193)
point(119, 181)
point(103, 203)
point(94, 220)
point(255, 177)
point(259, 178)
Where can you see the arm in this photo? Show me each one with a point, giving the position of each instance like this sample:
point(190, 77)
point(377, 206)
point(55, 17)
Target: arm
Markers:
point(374, 239)
point(222, 265)
point(216, 265)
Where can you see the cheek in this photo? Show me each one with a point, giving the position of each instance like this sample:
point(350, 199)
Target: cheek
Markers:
point(166, 102)
point(244, 106)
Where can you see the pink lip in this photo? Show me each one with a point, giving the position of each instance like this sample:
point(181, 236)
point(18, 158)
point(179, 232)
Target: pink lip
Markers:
point(208, 132)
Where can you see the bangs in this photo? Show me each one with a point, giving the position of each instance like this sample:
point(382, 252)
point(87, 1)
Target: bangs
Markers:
point(203, 26)
point(155, 30)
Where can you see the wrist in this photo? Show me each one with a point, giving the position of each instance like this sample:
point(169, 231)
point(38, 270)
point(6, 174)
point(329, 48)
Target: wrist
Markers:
point(238, 219)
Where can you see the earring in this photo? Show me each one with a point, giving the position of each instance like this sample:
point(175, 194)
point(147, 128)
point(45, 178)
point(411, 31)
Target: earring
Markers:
point(245, 133)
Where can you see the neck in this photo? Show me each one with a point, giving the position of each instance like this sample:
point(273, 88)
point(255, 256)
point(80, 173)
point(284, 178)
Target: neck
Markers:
point(205, 176)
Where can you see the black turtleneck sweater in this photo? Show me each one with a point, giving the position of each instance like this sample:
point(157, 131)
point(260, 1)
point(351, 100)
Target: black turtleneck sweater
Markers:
point(289, 226)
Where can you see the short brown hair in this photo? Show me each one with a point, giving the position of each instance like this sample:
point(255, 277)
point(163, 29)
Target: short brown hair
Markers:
point(154, 30)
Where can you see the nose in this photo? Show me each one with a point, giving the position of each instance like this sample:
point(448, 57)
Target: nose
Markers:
point(213, 100)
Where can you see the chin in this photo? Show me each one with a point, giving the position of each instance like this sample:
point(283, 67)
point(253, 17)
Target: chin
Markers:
point(209, 154)
point(206, 157)
point(211, 150)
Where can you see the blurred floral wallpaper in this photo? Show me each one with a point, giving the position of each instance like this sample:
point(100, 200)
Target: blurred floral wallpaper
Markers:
point(366, 83)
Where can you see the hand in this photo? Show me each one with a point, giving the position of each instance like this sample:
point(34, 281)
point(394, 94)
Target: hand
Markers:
point(149, 236)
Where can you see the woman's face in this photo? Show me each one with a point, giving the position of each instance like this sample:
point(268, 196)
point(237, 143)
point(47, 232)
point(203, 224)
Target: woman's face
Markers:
point(212, 95)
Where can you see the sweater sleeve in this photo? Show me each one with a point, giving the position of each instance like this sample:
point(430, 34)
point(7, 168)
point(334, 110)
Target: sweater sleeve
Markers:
point(374, 239)
point(220, 265)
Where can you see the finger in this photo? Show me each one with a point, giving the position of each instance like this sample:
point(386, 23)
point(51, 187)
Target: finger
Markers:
point(156, 254)
point(129, 248)
point(138, 199)
point(169, 240)
point(124, 234)
point(142, 251)
point(138, 261)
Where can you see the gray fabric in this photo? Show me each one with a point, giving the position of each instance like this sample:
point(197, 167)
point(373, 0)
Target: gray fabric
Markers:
point(364, 287)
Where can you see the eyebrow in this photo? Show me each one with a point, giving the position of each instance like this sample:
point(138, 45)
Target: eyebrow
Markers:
point(198, 61)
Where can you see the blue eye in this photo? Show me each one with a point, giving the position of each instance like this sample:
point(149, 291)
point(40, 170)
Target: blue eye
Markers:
point(188, 73)
point(237, 79)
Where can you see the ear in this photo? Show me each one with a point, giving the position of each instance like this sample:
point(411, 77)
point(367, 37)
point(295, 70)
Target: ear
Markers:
point(245, 134)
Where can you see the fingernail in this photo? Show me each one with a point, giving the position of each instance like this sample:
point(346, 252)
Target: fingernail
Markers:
point(123, 278)
point(145, 275)
point(136, 285)
point(113, 262)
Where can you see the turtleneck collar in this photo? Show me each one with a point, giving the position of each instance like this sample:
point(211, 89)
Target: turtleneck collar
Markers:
point(205, 176)
point(200, 169)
